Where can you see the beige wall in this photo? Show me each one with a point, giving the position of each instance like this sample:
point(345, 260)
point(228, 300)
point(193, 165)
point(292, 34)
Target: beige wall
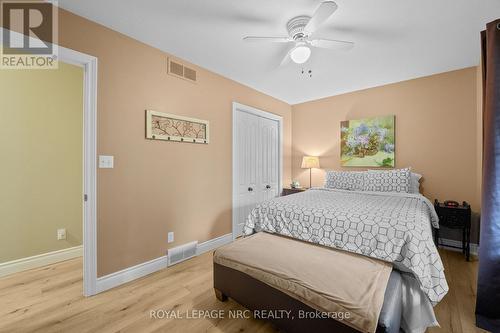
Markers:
point(158, 186)
point(436, 131)
point(41, 160)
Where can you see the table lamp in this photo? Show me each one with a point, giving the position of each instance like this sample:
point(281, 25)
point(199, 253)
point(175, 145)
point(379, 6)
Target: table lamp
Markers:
point(309, 162)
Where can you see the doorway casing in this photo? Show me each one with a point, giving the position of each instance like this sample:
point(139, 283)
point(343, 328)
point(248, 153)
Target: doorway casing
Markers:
point(89, 195)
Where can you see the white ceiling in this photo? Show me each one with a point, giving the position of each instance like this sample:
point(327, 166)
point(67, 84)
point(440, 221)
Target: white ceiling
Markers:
point(395, 40)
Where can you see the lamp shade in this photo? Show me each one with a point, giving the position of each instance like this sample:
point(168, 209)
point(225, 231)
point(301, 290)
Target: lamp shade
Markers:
point(309, 162)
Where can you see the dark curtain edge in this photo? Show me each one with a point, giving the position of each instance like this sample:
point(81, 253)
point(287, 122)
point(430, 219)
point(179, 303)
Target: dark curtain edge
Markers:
point(488, 283)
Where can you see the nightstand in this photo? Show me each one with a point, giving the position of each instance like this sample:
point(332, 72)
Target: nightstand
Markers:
point(291, 190)
point(458, 217)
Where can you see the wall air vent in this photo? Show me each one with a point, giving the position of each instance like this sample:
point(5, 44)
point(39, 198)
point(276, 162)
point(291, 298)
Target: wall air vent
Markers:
point(180, 253)
point(190, 74)
point(177, 69)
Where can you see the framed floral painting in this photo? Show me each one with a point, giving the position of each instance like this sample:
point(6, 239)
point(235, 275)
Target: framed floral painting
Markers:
point(170, 127)
point(368, 142)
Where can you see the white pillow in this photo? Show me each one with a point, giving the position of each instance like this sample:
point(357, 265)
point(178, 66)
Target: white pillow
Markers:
point(345, 180)
point(397, 180)
point(415, 183)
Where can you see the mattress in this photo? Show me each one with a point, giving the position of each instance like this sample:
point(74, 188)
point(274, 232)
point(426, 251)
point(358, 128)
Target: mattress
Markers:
point(328, 280)
point(393, 227)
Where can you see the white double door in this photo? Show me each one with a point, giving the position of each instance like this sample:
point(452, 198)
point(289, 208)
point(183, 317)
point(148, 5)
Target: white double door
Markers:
point(256, 164)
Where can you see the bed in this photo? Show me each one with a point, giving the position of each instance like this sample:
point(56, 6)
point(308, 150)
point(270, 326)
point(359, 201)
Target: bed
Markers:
point(394, 227)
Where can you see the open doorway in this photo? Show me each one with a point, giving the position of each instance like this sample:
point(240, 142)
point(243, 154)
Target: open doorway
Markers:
point(41, 140)
point(48, 144)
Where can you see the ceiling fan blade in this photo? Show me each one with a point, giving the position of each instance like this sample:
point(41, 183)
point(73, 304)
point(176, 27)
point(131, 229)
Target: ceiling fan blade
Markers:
point(267, 39)
point(286, 59)
point(331, 44)
point(324, 11)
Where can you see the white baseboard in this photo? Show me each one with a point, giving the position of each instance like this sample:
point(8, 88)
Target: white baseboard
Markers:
point(443, 242)
point(40, 260)
point(128, 274)
point(131, 273)
point(212, 244)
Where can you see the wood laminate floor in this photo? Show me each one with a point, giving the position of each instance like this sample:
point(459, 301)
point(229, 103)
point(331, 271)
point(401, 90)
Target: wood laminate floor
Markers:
point(49, 299)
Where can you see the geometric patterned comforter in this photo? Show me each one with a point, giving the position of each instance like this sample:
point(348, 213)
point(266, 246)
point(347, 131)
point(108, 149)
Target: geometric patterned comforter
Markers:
point(394, 227)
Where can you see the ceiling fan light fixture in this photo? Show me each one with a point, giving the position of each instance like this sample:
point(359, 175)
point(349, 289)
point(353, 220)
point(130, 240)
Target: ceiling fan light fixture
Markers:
point(300, 54)
point(300, 31)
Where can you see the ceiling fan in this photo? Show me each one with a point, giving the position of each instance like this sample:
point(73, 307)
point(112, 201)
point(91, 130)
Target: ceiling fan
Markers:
point(300, 30)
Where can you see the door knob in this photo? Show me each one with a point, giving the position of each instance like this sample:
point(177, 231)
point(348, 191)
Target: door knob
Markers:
point(268, 186)
point(250, 189)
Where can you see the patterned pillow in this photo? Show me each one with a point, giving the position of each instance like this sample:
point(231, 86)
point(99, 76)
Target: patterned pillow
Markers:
point(344, 180)
point(397, 180)
point(415, 183)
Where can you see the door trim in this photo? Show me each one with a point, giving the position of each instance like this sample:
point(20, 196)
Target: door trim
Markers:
point(238, 107)
point(89, 65)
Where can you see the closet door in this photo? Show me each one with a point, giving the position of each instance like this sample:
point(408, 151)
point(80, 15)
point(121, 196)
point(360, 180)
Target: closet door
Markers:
point(246, 168)
point(268, 159)
point(256, 164)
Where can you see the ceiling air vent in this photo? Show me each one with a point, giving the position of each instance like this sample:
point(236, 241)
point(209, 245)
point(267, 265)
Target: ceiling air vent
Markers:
point(177, 69)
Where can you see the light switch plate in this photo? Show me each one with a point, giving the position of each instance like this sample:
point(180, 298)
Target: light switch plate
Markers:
point(106, 162)
point(170, 237)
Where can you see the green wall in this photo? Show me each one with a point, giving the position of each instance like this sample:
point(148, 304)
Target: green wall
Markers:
point(41, 160)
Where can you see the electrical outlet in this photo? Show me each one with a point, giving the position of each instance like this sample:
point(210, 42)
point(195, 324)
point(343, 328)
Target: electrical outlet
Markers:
point(170, 237)
point(61, 234)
